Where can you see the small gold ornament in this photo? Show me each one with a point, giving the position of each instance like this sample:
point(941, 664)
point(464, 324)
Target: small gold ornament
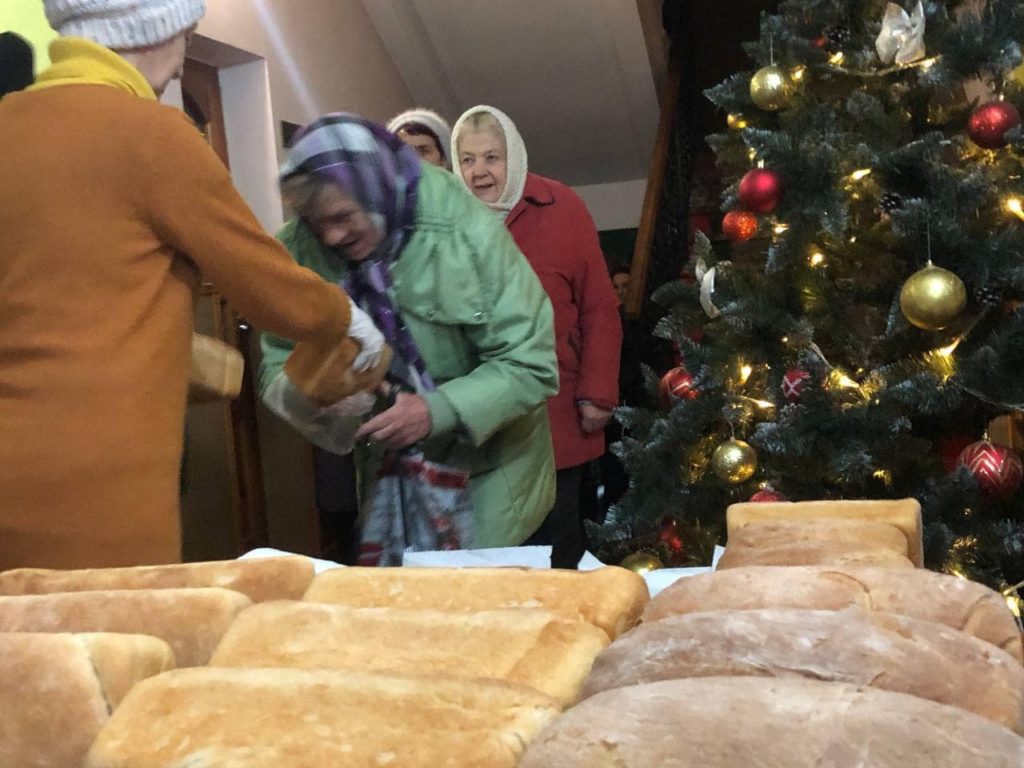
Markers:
point(642, 562)
point(734, 461)
point(772, 89)
point(932, 298)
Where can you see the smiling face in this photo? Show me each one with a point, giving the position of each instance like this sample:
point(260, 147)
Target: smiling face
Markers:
point(342, 224)
point(484, 164)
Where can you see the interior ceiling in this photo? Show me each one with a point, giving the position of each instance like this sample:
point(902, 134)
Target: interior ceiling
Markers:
point(576, 76)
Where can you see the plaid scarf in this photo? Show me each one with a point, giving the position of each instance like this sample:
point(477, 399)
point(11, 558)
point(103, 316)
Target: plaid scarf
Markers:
point(382, 174)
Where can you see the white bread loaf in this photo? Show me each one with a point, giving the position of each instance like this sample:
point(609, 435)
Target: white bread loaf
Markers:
point(531, 647)
point(812, 553)
point(904, 514)
point(860, 534)
point(609, 598)
point(965, 605)
point(289, 718)
point(894, 653)
point(755, 722)
point(272, 578)
point(57, 691)
point(191, 621)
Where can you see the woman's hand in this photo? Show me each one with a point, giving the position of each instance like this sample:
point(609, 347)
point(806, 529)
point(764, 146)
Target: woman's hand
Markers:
point(403, 424)
point(592, 418)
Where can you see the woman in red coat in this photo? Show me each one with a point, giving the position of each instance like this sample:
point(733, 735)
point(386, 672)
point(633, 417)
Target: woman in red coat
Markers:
point(552, 227)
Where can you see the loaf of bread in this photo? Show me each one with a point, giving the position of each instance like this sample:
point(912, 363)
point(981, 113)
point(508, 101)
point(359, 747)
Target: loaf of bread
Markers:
point(812, 553)
point(532, 647)
point(895, 653)
point(217, 370)
point(861, 534)
point(57, 691)
point(743, 722)
point(324, 374)
point(920, 594)
point(609, 598)
point(904, 514)
point(290, 718)
point(191, 621)
point(271, 578)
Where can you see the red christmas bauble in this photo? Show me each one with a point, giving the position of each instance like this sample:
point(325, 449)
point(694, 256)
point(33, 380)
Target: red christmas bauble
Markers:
point(996, 468)
point(990, 122)
point(760, 190)
point(739, 226)
point(793, 383)
point(950, 447)
point(669, 536)
point(767, 494)
point(677, 383)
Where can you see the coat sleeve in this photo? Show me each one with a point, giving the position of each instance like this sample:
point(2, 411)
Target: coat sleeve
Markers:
point(515, 346)
point(194, 208)
point(599, 321)
point(275, 348)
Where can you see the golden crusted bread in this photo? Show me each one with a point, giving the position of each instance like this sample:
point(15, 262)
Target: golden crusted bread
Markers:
point(965, 605)
point(272, 578)
point(290, 718)
point(531, 647)
point(812, 553)
point(904, 514)
point(895, 653)
point(863, 534)
point(609, 598)
point(191, 621)
point(57, 691)
point(758, 722)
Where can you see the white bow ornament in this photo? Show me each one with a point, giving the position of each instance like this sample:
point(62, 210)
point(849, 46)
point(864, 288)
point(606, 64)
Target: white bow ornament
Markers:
point(901, 40)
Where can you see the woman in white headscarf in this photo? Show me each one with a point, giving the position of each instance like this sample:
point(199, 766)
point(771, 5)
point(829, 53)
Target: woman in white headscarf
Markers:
point(552, 227)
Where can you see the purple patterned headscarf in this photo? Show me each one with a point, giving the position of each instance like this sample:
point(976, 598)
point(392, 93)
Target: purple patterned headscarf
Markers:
point(381, 173)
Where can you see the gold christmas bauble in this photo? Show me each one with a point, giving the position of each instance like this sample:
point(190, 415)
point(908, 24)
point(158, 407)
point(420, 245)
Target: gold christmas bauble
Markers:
point(772, 89)
point(932, 298)
point(734, 461)
point(642, 562)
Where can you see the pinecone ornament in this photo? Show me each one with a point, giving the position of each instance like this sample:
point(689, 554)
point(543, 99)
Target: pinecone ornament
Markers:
point(836, 37)
point(890, 202)
point(989, 295)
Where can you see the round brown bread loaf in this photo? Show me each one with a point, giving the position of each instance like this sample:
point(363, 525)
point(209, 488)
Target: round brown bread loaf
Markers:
point(895, 653)
point(965, 605)
point(756, 722)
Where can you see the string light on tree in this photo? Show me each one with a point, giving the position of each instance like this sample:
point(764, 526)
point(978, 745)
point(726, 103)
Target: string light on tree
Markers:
point(736, 121)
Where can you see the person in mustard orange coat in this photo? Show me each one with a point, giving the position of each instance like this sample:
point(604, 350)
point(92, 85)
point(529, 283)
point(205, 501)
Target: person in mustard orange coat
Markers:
point(113, 211)
point(554, 230)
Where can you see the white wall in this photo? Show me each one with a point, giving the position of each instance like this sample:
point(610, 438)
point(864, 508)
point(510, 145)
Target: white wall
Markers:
point(614, 206)
point(322, 56)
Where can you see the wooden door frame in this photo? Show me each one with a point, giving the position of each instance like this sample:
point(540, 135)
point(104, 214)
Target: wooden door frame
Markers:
point(201, 83)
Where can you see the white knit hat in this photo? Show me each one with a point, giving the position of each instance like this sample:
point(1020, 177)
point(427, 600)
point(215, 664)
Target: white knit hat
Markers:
point(427, 118)
point(123, 24)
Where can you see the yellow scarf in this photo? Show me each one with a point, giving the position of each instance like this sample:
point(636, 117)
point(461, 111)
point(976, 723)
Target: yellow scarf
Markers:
point(82, 62)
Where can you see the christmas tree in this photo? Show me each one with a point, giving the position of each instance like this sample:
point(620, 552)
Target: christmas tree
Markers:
point(863, 328)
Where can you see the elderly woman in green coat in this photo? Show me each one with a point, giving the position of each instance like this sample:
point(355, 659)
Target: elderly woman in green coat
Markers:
point(470, 324)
